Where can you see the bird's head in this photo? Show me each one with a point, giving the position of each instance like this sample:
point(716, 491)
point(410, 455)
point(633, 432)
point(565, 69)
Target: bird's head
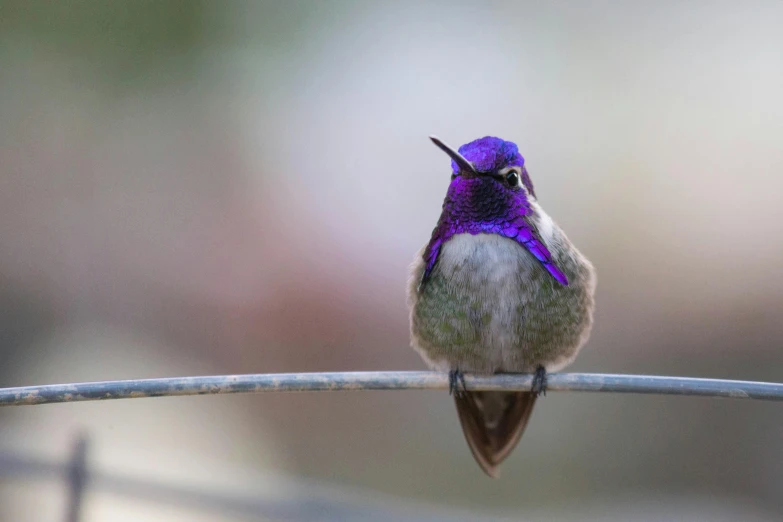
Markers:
point(491, 159)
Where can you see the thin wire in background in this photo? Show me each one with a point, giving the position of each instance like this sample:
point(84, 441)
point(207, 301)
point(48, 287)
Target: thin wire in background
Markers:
point(354, 381)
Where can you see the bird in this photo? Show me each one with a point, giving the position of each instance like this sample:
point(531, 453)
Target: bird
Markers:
point(498, 288)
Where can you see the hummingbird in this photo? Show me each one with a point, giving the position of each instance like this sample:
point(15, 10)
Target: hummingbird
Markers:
point(498, 288)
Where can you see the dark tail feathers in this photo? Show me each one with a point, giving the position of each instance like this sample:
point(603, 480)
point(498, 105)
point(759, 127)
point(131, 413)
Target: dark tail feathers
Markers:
point(493, 423)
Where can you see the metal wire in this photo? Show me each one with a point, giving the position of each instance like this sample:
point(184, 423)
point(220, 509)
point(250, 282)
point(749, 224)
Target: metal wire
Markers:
point(352, 381)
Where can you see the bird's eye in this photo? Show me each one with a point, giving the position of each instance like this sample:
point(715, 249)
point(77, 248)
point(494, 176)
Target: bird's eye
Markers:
point(512, 178)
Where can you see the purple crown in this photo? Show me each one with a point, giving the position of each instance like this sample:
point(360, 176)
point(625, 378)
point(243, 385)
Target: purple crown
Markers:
point(490, 154)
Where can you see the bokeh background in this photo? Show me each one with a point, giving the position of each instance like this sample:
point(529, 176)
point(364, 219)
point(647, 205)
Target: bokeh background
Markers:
point(239, 187)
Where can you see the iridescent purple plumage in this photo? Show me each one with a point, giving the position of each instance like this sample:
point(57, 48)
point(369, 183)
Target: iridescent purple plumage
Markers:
point(482, 295)
point(484, 205)
point(490, 154)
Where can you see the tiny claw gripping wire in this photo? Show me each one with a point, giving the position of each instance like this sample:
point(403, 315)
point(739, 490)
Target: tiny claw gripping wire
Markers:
point(539, 381)
point(457, 383)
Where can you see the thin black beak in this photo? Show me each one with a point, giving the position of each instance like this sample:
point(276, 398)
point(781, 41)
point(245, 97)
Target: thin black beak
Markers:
point(458, 158)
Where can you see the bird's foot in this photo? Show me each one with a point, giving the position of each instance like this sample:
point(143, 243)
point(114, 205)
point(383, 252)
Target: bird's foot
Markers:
point(539, 382)
point(456, 383)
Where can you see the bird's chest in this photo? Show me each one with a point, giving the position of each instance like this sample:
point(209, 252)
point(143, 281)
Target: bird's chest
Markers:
point(490, 306)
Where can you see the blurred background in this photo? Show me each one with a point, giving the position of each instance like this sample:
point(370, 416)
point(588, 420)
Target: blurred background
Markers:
point(239, 187)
